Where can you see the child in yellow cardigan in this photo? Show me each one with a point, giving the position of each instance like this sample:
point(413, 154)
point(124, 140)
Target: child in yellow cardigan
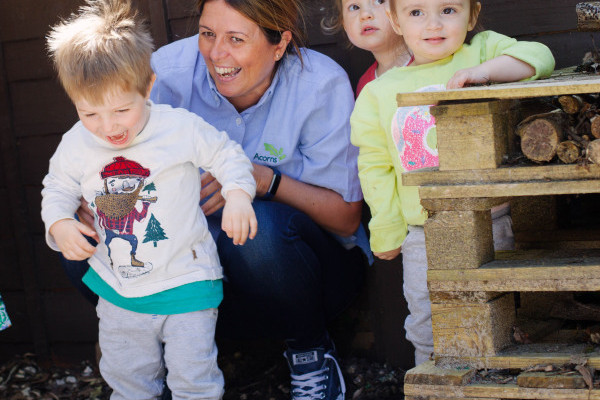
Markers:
point(393, 140)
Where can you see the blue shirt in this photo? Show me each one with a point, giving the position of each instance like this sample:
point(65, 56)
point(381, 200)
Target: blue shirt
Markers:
point(301, 124)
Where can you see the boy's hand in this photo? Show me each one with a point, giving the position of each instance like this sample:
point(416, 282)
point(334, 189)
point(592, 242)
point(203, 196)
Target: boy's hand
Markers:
point(463, 77)
point(238, 217)
point(388, 255)
point(69, 238)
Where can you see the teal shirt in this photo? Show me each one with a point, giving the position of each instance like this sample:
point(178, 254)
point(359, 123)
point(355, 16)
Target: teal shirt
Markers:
point(195, 296)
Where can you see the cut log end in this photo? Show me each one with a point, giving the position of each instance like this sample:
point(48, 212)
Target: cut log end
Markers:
point(568, 152)
point(540, 139)
point(593, 151)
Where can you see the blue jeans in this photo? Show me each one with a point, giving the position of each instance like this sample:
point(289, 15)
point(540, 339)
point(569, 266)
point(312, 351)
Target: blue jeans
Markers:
point(287, 283)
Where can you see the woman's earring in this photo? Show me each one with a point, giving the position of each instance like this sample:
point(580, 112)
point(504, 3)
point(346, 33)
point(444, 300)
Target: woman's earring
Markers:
point(277, 56)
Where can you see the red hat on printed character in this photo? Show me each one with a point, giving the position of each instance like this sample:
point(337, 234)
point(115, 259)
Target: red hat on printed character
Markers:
point(123, 166)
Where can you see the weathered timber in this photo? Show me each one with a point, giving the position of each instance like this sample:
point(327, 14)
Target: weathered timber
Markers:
point(462, 297)
point(497, 390)
point(469, 330)
point(550, 380)
point(537, 188)
point(588, 16)
point(531, 173)
point(427, 373)
point(561, 82)
point(568, 151)
point(475, 135)
point(472, 204)
point(534, 270)
point(459, 239)
point(533, 214)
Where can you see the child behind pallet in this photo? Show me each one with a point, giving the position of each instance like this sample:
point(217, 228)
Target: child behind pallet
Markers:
point(393, 140)
point(156, 268)
point(368, 28)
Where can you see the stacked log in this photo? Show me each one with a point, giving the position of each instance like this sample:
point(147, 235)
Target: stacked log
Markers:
point(570, 132)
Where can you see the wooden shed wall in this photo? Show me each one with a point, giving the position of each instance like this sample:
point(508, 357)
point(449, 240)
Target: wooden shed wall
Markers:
point(48, 315)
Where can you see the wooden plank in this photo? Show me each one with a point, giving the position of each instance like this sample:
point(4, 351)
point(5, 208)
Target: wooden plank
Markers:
point(526, 356)
point(504, 174)
point(473, 330)
point(561, 82)
point(550, 380)
point(428, 374)
point(500, 391)
point(469, 204)
point(462, 297)
point(533, 213)
point(518, 274)
point(34, 154)
point(459, 239)
point(513, 189)
point(472, 135)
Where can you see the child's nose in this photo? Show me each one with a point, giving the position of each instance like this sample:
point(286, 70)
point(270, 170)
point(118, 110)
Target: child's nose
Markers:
point(434, 22)
point(108, 125)
point(366, 13)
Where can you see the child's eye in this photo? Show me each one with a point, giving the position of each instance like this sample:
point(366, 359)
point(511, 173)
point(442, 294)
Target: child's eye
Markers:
point(123, 110)
point(353, 7)
point(448, 10)
point(416, 13)
point(379, 1)
point(89, 115)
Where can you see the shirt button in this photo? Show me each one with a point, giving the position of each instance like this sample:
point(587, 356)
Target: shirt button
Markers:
point(238, 121)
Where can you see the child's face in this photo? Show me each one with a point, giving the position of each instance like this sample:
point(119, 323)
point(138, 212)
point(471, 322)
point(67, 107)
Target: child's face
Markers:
point(433, 29)
point(119, 119)
point(367, 26)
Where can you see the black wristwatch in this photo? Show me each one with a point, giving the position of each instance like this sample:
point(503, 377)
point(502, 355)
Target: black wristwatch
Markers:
point(274, 184)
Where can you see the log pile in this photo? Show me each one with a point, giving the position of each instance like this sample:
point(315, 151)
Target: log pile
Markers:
point(570, 132)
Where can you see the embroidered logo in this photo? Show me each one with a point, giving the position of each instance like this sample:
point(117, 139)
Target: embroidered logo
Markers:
point(276, 155)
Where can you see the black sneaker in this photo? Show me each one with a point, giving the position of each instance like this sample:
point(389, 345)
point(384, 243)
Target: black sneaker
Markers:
point(316, 374)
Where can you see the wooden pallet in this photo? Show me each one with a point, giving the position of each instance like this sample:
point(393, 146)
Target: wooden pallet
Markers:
point(430, 382)
point(475, 291)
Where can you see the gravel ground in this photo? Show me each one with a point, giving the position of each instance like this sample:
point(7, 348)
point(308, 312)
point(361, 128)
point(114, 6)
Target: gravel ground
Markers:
point(257, 373)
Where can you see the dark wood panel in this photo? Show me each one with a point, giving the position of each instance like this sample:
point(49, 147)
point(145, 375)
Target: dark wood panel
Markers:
point(568, 48)
point(67, 323)
point(27, 60)
point(34, 154)
point(33, 194)
point(30, 19)
point(12, 279)
point(51, 275)
point(6, 228)
point(41, 107)
point(183, 27)
point(180, 8)
point(517, 17)
point(21, 330)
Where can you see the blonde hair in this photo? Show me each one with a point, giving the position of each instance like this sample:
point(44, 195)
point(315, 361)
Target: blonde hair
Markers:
point(104, 47)
point(273, 17)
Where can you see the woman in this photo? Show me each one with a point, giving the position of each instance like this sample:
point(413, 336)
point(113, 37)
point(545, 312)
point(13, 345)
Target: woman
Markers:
point(289, 108)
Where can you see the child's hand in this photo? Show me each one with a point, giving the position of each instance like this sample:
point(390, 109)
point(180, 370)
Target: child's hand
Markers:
point(388, 255)
point(463, 77)
point(238, 217)
point(68, 235)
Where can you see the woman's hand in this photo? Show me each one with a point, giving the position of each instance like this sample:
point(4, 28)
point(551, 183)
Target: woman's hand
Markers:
point(239, 220)
point(68, 235)
point(388, 255)
point(210, 187)
point(86, 217)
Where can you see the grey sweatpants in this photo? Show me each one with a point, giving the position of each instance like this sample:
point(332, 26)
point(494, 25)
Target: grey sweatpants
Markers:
point(137, 347)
